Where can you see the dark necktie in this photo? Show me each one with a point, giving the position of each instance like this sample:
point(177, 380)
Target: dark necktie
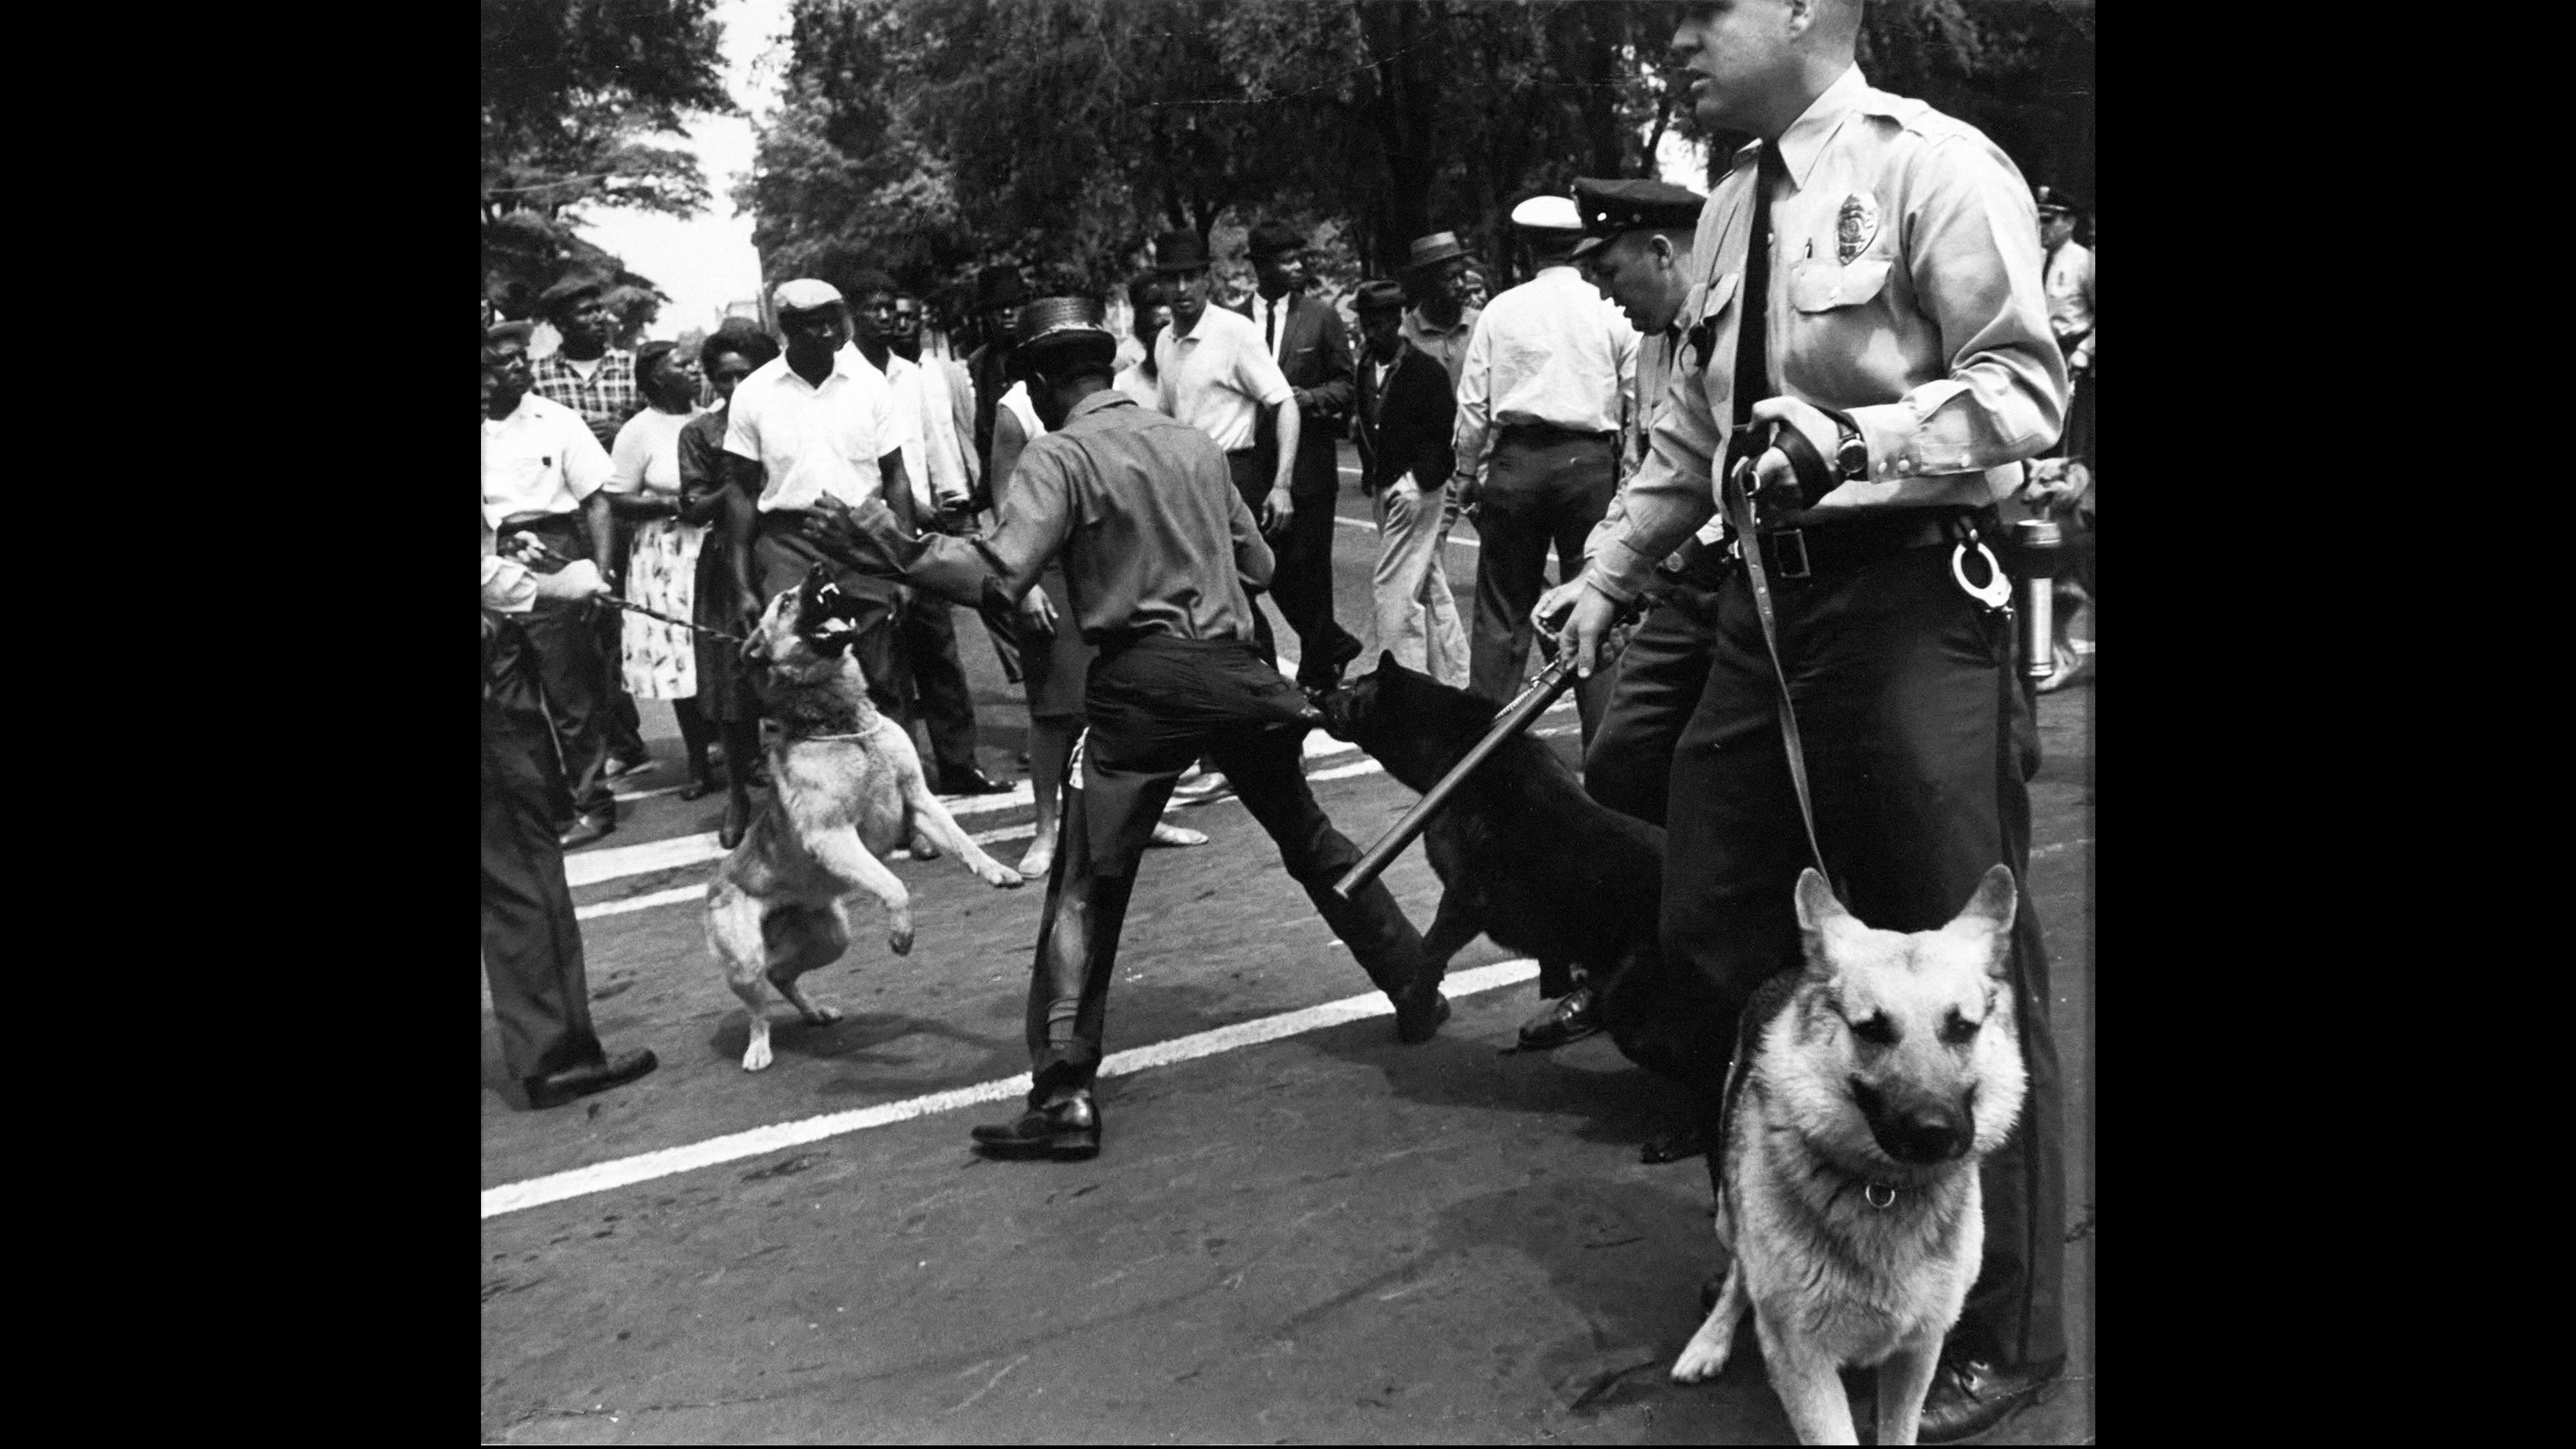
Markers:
point(1752, 365)
point(1270, 325)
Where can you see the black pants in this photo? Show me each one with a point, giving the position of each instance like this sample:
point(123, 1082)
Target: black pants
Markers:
point(575, 672)
point(1154, 707)
point(927, 635)
point(1654, 690)
point(1535, 493)
point(1906, 699)
point(531, 941)
point(1301, 575)
point(781, 555)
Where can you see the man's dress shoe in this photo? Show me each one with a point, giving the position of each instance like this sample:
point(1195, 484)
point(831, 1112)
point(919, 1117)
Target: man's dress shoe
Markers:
point(556, 1088)
point(967, 780)
point(1417, 1019)
point(587, 829)
point(1969, 1396)
point(1570, 1017)
point(1065, 1130)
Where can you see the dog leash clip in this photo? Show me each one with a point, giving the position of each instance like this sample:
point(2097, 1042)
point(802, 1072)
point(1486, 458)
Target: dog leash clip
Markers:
point(1878, 1195)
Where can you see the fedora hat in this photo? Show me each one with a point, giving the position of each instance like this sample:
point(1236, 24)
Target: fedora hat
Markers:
point(1274, 239)
point(1180, 251)
point(1440, 246)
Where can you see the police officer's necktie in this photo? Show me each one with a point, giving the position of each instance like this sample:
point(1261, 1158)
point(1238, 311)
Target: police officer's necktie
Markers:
point(1752, 365)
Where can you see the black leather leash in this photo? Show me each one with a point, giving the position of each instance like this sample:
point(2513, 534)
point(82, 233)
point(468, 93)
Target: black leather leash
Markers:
point(522, 548)
point(1739, 515)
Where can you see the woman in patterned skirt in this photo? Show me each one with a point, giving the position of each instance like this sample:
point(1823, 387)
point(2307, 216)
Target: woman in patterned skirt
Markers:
point(725, 698)
point(659, 660)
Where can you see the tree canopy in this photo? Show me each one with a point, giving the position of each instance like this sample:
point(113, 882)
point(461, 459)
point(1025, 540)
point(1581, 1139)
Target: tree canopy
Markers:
point(929, 137)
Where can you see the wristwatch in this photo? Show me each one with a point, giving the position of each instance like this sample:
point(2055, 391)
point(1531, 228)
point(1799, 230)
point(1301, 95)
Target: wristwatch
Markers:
point(1851, 456)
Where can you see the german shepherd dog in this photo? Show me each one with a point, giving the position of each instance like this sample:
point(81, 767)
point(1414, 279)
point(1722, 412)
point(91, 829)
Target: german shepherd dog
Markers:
point(1869, 1087)
point(848, 789)
point(1531, 861)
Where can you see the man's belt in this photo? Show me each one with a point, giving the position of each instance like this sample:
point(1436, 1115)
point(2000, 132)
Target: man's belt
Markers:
point(1543, 435)
point(1846, 545)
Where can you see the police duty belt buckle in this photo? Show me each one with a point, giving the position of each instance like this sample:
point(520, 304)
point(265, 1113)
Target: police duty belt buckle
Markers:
point(1996, 592)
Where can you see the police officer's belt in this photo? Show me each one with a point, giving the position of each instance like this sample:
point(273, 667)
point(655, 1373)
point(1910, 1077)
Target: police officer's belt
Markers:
point(1546, 435)
point(1845, 545)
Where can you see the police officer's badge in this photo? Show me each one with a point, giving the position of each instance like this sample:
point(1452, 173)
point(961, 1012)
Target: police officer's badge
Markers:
point(1855, 226)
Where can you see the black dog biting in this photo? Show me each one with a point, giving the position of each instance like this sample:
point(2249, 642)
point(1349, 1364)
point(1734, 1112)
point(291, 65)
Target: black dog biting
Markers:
point(1528, 859)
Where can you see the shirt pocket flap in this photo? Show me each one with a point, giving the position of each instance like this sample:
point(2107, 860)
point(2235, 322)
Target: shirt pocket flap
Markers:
point(1709, 301)
point(1823, 286)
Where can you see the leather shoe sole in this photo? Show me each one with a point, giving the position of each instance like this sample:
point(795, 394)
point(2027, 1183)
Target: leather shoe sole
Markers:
point(1571, 1019)
point(556, 1088)
point(966, 781)
point(1968, 1400)
point(585, 830)
point(1039, 1133)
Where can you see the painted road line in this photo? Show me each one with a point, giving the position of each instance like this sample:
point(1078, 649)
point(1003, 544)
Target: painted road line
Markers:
point(733, 1147)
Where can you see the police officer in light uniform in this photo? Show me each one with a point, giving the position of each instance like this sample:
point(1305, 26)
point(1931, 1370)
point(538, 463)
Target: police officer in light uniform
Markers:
point(1873, 282)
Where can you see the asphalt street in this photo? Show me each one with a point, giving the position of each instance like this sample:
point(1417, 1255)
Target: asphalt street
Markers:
point(1296, 1231)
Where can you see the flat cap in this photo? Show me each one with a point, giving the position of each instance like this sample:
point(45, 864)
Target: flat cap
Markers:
point(500, 332)
point(1378, 296)
point(1275, 238)
point(804, 295)
point(1612, 208)
point(1440, 246)
point(1548, 213)
point(563, 296)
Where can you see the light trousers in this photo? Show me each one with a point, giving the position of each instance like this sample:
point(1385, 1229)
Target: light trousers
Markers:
point(1417, 616)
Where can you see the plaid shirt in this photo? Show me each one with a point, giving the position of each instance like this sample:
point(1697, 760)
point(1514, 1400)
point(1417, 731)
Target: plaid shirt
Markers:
point(605, 402)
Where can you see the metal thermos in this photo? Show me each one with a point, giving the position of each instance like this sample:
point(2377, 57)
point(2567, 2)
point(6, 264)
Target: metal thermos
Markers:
point(2038, 541)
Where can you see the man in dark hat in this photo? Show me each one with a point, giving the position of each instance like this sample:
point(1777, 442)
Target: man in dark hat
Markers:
point(1306, 339)
point(1402, 426)
point(999, 293)
point(1441, 318)
point(1215, 374)
point(597, 381)
point(1158, 570)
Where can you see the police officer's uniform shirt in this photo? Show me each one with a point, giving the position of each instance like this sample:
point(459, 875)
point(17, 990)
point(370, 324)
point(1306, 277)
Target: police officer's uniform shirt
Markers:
point(1219, 377)
point(1552, 350)
point(1655, 359)
point(1905, 291)
point(814, 440)
point(1142, 513)
point(540, 460)
point(2070, 299)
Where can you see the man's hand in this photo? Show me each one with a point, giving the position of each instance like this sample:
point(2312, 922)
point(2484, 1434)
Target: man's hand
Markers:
point(1549, 616)
point(1036, 614)
point(577, 582)
point(702, 505)
point(1586, 628)
point(1772, 471)
point(1277, 510)
point(1463, 488)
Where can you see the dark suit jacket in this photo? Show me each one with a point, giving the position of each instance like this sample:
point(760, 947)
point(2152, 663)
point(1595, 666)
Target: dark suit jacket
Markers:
point(1315, 354)
point(1408, 428)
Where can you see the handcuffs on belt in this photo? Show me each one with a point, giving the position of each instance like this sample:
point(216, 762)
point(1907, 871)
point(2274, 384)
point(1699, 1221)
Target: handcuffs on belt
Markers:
point(1813, 480)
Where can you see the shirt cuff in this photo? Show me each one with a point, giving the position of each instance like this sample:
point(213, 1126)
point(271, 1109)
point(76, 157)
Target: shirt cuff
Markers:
point(1898, 449)
point(508, 587)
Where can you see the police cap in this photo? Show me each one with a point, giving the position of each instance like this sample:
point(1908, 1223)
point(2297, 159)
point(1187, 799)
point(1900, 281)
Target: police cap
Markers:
point(1613, 208)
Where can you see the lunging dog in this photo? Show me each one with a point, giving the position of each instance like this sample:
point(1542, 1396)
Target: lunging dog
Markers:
point(1870, 1086)
point(848, 788)
point(1528, 859)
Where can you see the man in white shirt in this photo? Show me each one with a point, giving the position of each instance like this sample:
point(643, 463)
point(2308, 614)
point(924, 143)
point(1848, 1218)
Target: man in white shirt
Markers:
point(1547, 384)
point(925, 631)
point(542, 471)
point(1216, 376)
point(819, 420)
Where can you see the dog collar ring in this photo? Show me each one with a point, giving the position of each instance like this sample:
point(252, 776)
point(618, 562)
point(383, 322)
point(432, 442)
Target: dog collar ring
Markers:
point(1878, 1195)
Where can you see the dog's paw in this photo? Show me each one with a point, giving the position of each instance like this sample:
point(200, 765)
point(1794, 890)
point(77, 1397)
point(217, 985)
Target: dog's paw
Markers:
point(757, 1058)
point(922, 849)
point(822, 1015)
point(899, 938)
point(1702, 1360)
point(999, 876)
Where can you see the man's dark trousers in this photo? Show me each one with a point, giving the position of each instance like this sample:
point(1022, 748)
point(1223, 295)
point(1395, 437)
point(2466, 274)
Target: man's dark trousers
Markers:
point(1301, 575)
point(574, 672)
point(1154, 707)
point(1654, 691)
point(531, 939)
point(1542, 486)
point(927, 634)
point(1905, 696)
point(782, 554)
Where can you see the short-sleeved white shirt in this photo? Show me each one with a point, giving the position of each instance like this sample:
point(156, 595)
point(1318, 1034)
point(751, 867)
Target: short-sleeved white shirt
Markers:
point(539, 460)
point(1219, 377)
point(647, 453)
point(816, 440)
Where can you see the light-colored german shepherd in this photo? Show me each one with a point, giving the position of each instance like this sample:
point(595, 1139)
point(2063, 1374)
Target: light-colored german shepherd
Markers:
point(848, 789)
point(1855, 1121)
